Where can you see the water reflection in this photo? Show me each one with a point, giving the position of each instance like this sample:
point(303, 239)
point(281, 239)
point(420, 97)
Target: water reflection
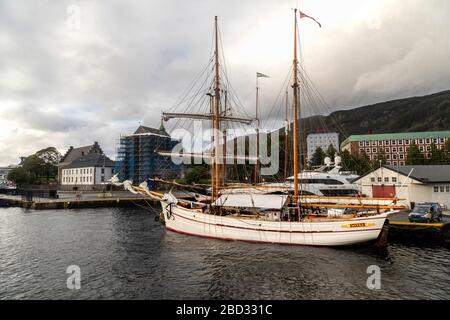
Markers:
point(125, 254)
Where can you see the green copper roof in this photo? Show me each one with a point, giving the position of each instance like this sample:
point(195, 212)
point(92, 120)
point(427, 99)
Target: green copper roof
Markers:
point(397, 136)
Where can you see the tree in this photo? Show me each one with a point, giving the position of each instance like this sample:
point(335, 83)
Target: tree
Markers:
point(381, 157)
point(363, 164)
point(414, 155)
point(446, 151)
point(21, 176)
point(41, 164)
point(318, 157)
point(348, 162)
point(437, 156)
point(197, 174)
point(331, 152)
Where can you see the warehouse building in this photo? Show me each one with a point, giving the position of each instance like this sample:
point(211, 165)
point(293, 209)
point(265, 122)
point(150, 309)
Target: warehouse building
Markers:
point(415, 184)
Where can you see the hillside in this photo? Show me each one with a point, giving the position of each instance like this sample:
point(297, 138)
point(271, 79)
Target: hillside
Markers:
point(427, 113)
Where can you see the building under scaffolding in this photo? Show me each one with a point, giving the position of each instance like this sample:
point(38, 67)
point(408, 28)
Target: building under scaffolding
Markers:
point(137, 158)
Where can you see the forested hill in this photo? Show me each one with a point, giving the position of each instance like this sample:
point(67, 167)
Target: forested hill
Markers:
point(427, 113)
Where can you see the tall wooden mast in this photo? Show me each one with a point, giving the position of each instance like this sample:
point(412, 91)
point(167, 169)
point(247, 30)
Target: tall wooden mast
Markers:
point(216, 124)
point(256, 174)
point(286, 137)
point(296, 106)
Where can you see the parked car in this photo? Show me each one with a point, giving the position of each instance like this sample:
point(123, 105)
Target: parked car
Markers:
point(426, 212)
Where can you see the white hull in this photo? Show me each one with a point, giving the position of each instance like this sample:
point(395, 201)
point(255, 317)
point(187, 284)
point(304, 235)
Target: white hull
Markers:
point(339, 232)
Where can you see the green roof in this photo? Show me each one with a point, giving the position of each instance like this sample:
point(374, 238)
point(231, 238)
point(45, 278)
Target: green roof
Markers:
point(397, 136)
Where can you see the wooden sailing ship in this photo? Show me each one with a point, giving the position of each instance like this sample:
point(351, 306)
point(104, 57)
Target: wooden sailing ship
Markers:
point(269, 218)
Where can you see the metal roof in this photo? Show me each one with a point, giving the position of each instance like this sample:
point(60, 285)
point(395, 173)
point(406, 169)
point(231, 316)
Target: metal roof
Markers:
point(396, 136)
point(425, 174)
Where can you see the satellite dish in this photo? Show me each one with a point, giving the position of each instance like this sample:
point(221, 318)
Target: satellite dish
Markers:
point(327, 161)
point(337, 160)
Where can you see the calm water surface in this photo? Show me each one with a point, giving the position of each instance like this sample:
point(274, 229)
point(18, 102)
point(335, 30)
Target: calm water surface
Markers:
point(125, 254)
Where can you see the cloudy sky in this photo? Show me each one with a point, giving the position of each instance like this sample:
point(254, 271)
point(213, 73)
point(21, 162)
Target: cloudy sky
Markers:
point(74, 72)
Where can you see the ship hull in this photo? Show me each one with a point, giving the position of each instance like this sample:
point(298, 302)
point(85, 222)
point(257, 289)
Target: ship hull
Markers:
point(328, 233)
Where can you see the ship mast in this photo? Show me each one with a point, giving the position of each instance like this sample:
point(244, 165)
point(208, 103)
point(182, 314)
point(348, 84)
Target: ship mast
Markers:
point(216, 124)
point(286, 138)
point(295, 87)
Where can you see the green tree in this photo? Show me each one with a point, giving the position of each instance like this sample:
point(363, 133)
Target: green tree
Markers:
point(331, 152)
point(348, 162)
point(437, 156)
point(414, 155)
point(21, 176)
point(42, 164)
point(363, 163)
point(197, 174)
point(318, 157)
point(446, 151)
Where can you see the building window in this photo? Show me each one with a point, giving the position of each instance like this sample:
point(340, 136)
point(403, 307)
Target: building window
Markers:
point(400, 142)
point(394, 150)
point(421, 148)
point(375, 157)
point(402, 163)
point(407, 142)
point(372, 179)
point(387, 143)
point(367, 143)
point(394, 142)
point(442, 140)
point(386, 179)
point(400, 149)
point(394, 163)
point(103, 178)
point(103, 170)
point(420, 141)
point(361, 144)
point(401, 156)
point(428, 141)
point(436, 189)
point(442, 189)
point(428, 148)
point(374, 150)
point(394, 179)
point(394, 157)
point(447, 189)
point(388, 157)
point(379, 179)
point(387, 150)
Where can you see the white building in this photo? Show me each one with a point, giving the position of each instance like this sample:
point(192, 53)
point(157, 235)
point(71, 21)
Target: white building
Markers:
point(414, 184)
point(87, 172)
point(321, 140)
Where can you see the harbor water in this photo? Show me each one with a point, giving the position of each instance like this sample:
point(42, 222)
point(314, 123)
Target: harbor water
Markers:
point(126, 254)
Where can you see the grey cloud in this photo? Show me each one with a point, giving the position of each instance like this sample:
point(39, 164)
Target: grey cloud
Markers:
point(130, 60)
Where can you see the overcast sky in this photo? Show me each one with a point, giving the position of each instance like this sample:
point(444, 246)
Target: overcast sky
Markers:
point(69, 79)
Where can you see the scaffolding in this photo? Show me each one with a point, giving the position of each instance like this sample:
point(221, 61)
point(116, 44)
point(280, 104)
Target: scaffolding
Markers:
point(137, 159)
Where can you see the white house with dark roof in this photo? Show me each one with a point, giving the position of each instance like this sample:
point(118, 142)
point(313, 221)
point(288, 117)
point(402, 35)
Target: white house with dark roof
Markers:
point(413, 183)
point(85, 168)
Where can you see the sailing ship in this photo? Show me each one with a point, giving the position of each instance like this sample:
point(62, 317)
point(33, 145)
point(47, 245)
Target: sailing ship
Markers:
point(282, 218)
